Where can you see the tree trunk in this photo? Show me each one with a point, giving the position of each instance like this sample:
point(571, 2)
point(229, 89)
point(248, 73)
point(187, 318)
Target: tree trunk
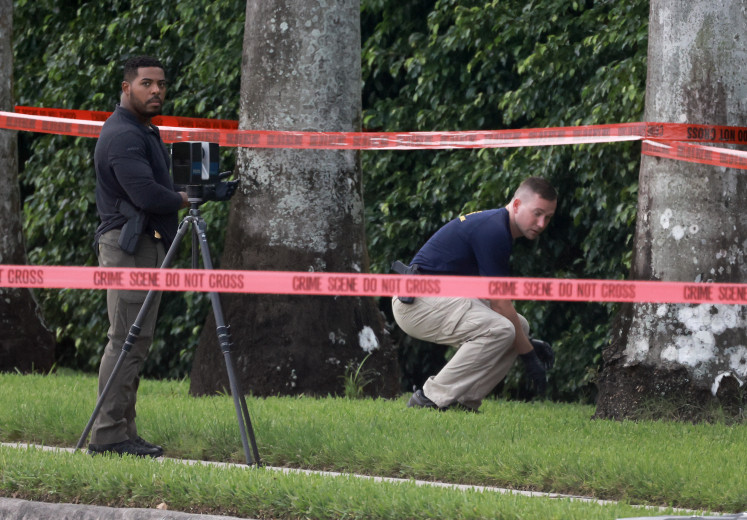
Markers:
point(691, 226)
point(25, 344)
point(299, 210)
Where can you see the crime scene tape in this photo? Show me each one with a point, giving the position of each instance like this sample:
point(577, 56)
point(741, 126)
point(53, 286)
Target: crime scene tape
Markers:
point(344, 140)
point(696, 153)
point(661, 131)
point(359, 284)
point(95, 115)
point(218, 131)
point(667, 140)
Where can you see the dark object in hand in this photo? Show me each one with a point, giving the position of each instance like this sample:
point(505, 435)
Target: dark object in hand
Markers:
point(536, 372)
point(221, 191)
point(544, 352)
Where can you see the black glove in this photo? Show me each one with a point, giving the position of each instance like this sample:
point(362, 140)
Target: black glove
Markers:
point(535, 371)
point(221, 191)
point(544, 352)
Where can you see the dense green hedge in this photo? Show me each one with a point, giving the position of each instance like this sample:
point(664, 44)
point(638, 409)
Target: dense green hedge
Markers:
point(452, 65)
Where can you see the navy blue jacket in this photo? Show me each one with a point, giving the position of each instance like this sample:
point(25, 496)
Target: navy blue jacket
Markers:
point(477, 244)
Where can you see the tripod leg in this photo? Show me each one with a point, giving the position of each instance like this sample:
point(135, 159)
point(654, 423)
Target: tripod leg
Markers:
point(237, 398)
point(224, 339)
point(131, 337)
point(250, 430)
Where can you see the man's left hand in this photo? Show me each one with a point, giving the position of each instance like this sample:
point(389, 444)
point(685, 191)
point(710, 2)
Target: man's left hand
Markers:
point(221, 191)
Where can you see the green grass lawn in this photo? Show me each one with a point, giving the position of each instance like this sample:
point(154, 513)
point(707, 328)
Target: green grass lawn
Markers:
point(547, 447)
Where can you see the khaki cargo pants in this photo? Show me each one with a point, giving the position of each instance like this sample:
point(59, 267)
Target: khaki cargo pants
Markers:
point(116, 419)
point(483, 338)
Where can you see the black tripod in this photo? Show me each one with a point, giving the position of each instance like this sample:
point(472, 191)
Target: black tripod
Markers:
point(198, 225)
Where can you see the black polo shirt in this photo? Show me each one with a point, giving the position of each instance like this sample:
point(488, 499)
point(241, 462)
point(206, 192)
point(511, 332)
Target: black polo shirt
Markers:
point(132, 164)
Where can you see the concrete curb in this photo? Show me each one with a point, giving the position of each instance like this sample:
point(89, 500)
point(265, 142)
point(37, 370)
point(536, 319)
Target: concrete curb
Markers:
point(16, 509)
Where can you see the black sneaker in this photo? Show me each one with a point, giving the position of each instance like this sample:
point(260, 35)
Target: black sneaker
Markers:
point(122, 448)
point(142, 442)
point(419, 400)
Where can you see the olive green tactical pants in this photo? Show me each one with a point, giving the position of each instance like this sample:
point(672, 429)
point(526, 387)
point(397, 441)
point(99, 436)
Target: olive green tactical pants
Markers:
point(116, 419)
point(483, 338)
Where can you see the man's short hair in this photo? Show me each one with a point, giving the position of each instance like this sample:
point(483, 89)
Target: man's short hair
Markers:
point(539, 186)
point(133, 64)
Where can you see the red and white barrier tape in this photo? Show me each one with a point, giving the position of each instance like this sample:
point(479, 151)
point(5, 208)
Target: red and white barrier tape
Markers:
point(658, 131)
point(84, 123)
point(696, 153)
point(96, 115)
point(342, 140)
point(357, 284)
point(679, 146)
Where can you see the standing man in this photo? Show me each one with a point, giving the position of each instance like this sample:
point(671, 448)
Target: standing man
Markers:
point(134, 191)
point(488, 334)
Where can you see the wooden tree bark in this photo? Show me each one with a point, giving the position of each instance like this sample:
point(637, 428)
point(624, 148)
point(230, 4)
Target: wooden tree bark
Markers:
point(25, 344)
point(691, 225)
point(299, 210)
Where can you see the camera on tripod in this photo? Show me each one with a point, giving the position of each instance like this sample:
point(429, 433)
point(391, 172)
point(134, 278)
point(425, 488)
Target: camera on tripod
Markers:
point(195, 163)
point(195, 170)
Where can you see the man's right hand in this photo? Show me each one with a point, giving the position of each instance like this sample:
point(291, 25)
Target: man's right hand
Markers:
point(544, 352)
point(536, 372)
